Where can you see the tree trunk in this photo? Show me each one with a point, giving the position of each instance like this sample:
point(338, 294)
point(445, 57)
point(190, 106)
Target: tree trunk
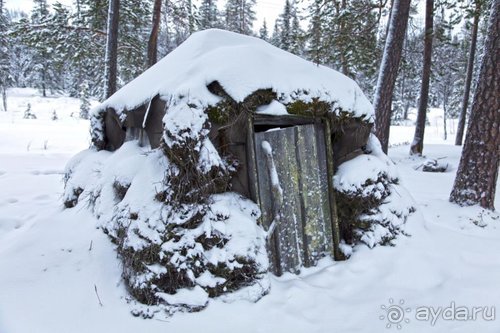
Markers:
point(406, 109)
point(417, 145)
point(478, 169)
point(111, 66)
point(4, 98)
point(444, 123)
point(153, 37)
point(468, 80)
point(389, 69)
point(44, 88)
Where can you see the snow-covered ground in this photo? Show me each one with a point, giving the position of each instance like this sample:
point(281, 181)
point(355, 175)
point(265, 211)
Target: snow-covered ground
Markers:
point(56, 267)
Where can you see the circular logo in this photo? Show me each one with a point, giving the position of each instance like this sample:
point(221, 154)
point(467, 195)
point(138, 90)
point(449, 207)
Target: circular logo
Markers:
point(394, 313)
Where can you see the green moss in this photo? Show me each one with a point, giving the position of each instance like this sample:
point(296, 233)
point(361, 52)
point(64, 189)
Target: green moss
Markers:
point(220, 113)
point(343, 119)
point(315, 108)
point(258, 98)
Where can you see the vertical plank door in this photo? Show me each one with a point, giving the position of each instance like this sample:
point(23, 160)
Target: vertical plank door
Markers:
point(297, 162)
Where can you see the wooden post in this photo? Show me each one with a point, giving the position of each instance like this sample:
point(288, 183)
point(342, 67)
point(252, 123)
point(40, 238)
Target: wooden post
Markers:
point(333, 205)
point(253, 181)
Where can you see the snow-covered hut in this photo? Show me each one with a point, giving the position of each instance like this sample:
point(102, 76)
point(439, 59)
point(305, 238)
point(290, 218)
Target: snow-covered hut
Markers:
point(229, 117)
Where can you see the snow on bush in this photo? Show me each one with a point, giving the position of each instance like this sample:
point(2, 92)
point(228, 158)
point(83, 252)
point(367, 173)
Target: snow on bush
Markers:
point(181, 237)
point(372, 205)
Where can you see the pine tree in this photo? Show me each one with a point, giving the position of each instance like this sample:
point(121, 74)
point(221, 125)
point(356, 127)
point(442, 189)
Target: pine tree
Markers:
point(286, 27)
point(406, 88)
point(264, 32)
point(417, 144)
point(447, 78)
point(20, 54)
point(209, 15)
point(84, 101)
point(86, 43)
point(180, 22)
point(298, 45)
point(317, 47)
point(477, 173)
point(389, 68)
point(343, 35)
point(240, 16)
point(133, 35)
point(111, 58)
point(153, 36)
point(36, 36)
point(470, 67)
point(94, 13)
point(290, 35)
point(275, 37)
point(58, 25)
point(5, 76)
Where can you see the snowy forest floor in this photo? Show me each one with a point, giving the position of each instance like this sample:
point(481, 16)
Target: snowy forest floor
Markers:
point(55, 265)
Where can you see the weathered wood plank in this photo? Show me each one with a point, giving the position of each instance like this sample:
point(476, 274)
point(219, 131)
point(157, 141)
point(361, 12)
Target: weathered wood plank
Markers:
point(305, 230)
point(264, 191)
point(314, 192)
point(253, 181)
point(287, 120)
point(333, 206)
point(291, 232)
point(323, 172)
point(288, 230)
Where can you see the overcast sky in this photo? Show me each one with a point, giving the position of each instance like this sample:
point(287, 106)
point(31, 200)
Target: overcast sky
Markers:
point(268, 9)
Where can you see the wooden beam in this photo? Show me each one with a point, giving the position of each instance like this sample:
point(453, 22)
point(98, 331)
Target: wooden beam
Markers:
point(251, 162)
point(337, 254)
point(288, 120)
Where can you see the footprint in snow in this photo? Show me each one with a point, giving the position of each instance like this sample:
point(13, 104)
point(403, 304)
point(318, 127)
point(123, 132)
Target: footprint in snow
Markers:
point(42, 197)
point(47, 172)
point(9, 224)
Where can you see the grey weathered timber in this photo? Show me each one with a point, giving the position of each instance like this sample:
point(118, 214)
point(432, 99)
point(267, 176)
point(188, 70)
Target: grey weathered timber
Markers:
point(304, 230)
point(289, 256)
point(252, 163)
point(331, 192)
point(144, 123)
point(272, 120)
point(153, 123)
point(313, 179)
point(115, 135)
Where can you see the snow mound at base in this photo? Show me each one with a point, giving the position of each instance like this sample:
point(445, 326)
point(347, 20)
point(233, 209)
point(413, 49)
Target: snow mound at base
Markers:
point(175, 256)
point(372, 205)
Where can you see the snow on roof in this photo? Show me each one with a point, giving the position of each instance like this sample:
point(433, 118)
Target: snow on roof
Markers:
point(242, 65)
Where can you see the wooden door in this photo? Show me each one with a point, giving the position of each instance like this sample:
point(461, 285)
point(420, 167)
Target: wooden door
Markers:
point(303, 231)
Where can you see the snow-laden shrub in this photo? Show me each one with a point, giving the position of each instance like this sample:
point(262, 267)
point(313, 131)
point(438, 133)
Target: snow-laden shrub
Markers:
point(98, 128)
point(372, 206)
point(181, 236)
